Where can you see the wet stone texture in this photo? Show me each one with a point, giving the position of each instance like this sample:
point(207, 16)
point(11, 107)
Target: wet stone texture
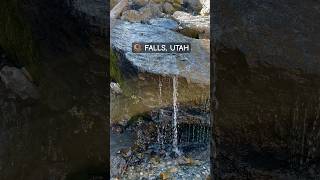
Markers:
point(267, 119)
point(151, 155)
point(267, 80)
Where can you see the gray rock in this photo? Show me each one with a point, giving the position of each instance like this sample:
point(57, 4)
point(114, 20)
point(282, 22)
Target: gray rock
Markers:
point(115, 88)
point(281, 33)
point(199, 25)
point(143, 14)
point(192, 66)
point(168, 8)
point(16, 80)
point(134, 16)
point(165, 23)
point(205, 11)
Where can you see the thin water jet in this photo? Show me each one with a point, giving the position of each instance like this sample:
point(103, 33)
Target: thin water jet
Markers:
point(175, 112)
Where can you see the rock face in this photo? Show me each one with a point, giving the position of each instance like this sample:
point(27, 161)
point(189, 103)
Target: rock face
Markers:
point(192, 66)
point(18, 82)
point(281, 33)
point(93, 11)
point(267, 85)
point(33, 130)
point(198, 25)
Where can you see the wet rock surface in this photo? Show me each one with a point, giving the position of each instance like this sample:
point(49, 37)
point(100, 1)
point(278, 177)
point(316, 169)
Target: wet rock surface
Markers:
point(267, 88)
point(147, 158)
point(261, 119)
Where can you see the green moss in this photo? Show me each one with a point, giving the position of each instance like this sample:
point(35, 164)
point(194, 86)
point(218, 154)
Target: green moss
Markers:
point(16, 37)
point(115, 73)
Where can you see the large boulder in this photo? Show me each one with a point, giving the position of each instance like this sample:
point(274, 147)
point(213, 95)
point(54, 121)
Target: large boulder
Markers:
point(194, 66)
point(198, 26)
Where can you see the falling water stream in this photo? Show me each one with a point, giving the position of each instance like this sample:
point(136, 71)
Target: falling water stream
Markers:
point(171, 144)
point(160, 128)
point(175, 112)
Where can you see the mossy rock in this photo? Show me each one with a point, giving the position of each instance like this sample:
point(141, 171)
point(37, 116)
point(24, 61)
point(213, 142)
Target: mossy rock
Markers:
point(115, 73)
point(16, 37)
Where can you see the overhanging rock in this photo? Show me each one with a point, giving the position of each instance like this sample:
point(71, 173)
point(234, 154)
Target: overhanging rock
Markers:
point(194, 66)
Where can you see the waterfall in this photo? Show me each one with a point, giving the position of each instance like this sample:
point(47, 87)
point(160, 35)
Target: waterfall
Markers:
point(175, 111)
point(160, 132)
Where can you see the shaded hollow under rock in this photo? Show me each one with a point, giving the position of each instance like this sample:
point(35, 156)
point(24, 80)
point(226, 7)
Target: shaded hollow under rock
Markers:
point(193, 129)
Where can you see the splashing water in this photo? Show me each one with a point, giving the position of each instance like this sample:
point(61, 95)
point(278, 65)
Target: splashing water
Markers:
point(175, 111)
